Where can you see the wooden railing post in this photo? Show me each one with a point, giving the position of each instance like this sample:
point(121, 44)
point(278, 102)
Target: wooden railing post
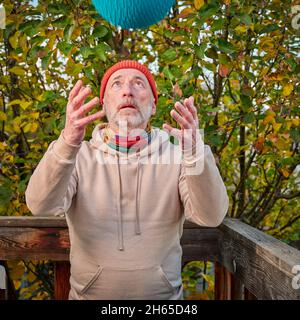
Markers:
point(61, 280)
point(227, 287)
point(222, 283)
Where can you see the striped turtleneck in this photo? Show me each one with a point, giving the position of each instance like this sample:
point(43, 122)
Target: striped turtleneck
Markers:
point(127, 144)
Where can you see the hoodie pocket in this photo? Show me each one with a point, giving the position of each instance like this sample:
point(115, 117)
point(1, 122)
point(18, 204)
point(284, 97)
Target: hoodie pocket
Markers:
point(118, 283)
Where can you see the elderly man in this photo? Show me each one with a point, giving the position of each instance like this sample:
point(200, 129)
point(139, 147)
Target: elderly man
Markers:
point(125, 213)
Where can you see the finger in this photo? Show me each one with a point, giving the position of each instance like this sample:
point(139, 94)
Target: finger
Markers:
point(176, 133)
point(190, 105)
point(85, 121)
point(182, 122)
point(185, 112)
point(81, 89)
point(78, 100)
point(75, 90)
point(79, 113)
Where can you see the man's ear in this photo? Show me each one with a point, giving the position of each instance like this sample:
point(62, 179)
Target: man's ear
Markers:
point(153, 107)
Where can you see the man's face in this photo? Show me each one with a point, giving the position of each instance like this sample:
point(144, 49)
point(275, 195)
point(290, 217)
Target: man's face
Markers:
point(128, 100)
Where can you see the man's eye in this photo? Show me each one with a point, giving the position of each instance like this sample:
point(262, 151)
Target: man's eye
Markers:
point(116, 84)
point(139, 84)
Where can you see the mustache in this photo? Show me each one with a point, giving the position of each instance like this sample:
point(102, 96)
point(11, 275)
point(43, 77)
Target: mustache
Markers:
point(128, 103)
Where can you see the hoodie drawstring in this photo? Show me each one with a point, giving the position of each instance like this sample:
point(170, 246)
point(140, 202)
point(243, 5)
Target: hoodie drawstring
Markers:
point(137, 219)
point(120, 223)
point(119, 207)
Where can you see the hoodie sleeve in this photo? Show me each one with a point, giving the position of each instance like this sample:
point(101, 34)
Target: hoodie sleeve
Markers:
point(203, 192)
point(54, 182)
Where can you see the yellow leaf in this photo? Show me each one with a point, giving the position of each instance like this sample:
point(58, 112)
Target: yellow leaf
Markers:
point(296, 122)
point(227, 100)
point(277, 126)
point(235, 83)
point(34, 127)
point(285, 172)
point(35, 115)
point(17, 70)
point(3, 116)
point(287, 89)
point(241, 29)
point(185, 13)
point(3, 145)
point(27, 127)
point(268, 118)
point(13, 40)
point(16, 125)
point(23, 103)
point(198, 4)
point(31, 277)
point(17, 284)
point(16, 272)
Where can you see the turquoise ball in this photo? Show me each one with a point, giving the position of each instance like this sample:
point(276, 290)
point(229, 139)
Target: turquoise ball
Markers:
point(133, 14)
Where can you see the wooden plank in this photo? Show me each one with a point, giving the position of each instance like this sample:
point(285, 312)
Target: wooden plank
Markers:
point(262, 263)
point(61, 280)
point(200, 244)
point(59, 222)
point(33, 222)
point(28, 243)
point(222, 283)
point(237, 288)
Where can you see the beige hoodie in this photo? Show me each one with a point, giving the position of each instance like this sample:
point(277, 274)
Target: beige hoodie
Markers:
point(126, 218)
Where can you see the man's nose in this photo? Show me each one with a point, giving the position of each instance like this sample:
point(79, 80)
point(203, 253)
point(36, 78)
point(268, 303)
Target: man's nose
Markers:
point(127, 90)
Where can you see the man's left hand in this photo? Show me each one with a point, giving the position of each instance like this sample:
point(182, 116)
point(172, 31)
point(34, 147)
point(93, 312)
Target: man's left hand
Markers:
point(187, 119)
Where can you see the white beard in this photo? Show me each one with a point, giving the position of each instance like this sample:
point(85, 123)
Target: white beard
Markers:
point(128, 120)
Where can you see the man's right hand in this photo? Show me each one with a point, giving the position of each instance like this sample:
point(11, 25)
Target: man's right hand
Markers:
point(76, 121)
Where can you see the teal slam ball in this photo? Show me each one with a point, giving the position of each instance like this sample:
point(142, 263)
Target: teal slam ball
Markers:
point(133, 14)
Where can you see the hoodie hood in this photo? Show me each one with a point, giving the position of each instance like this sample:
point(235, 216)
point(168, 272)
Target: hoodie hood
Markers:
point(158, 138)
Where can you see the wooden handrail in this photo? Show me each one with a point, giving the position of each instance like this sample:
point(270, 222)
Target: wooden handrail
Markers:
point(244, 256)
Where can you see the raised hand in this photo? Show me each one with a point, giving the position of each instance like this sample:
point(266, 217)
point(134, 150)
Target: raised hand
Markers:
point(76, 119)
point(187, 118)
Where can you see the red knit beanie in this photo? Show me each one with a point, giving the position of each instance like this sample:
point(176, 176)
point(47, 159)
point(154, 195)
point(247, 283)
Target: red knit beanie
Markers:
point(128, 64)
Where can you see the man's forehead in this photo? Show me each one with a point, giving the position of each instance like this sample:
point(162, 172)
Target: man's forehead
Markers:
point(128, 73)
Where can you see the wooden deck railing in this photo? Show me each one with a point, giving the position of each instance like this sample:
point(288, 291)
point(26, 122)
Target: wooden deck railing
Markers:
point(248, 263)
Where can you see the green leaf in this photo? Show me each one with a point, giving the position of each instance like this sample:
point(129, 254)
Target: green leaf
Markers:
point(199, 50)
point(211, 53)
point(269, 28)
point(61, 22)
point(65, 47)
point(245, 102)
point(207, 11)
point(249, 117)
point(225, 46)
point(46, 61)
point(217, 24)
point(295, 134)
point(86, 51)
point(100, 32)
point(169, 55)
point(6, 192)
point(101, 50)
point(245, 18)
point(168, 73)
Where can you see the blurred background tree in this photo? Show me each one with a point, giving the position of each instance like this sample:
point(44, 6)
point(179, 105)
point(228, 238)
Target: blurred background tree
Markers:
point(238, 58)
